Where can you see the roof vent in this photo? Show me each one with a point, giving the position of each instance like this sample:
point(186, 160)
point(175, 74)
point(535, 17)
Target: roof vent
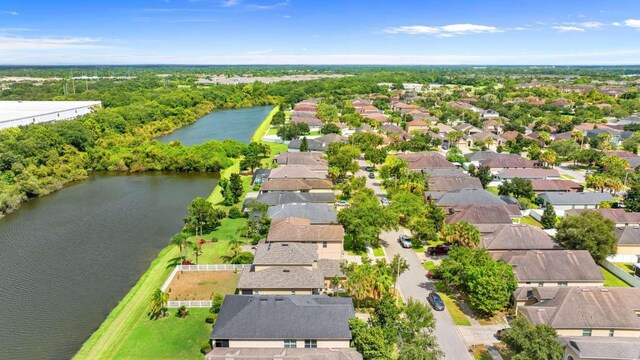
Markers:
point(585, 290)
point(286, 271)
point(285, 244)
point(264, 299)
point(279, 298)
point(604, 290)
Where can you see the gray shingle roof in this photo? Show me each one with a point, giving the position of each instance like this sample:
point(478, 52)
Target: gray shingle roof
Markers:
point(284, 317)
point(576, 198)
point(518, 237)
point(312, 144)
point(283, 354)
point(317, 213)
point(281, 277)
point(451, 183)
point(486, 155)
point(469, 197)
point(483, 214)
point(330, 268)
point(286, 254)
point(604, 347)
point(294, 172)
point(628, 235)
point(552, 265)
point(288, 197)
point(587, 308)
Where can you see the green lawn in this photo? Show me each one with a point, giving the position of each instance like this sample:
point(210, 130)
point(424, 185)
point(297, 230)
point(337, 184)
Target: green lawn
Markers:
point(459, 318)
point(611, 280)
point(378, 251)
point(429, 265)
point(167, 338)
point(628, 267)
point(493, 190)
point(272, 131)
point(264, 126)
point(567, 177)
point(530, 221)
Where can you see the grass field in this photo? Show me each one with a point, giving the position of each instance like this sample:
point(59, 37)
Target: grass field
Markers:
point(493, 190)
point(429, 265)
point(611, 280)
point(378, 251)
point(628, 267)
point(264, 126)
point(459, 318)
point(168, 338)
point(199, 285)
point(530, 221)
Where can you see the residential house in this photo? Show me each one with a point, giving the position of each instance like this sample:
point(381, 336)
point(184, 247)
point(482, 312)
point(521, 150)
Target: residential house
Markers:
point(463, 197)
point(451, 183)
point(583, 311)
point(476, 158)
point(295, 172)
point(552, 267)
point(628, 249)
point(273, 198)
point(489, 114)
point(467, 129)
point(315, 124)
point(259, 175)
point(298, 185)
point(562, 103)
point(620, 217)
point(484, 216)
point(282, 269)
point(488, 139)
point(417, 125)
point(554, 185)
point(498, 164)
point(317, 213)
point(282, 327)
point(312, 145)
point(422, 161)
point(313, 160)
point(512, 237)
point(563, 201)
point(492, 126)
point(328, 238)
point(600, 348)
point(529, 174)
point(465, 106)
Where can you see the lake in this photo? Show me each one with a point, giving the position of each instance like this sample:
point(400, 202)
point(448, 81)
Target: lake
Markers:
point(68, 258)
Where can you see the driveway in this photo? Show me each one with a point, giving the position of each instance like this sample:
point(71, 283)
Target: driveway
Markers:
point(578, 176)
point(371, 183)
point(414, 284)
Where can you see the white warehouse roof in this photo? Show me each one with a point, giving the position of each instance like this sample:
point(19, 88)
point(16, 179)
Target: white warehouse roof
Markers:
point(13, 110)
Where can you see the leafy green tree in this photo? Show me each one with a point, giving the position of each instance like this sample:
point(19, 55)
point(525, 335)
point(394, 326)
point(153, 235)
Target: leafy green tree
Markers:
point(631, 200)
point(278, 118)
point(180, 239)
point(417, 316)
point(158, 304)
point(235, 186)
point(330, 129)
point(365, 140)
point(529, 341)
point(376, 156)
point(517, 187)
point(304, 145)
point(548, 218)
point(488, 284)
point(369, 341)
point(588, 231)
point(225, 190)
point(250, 162)
point(366, 218)
point(461, 233)
point(342, 161)
point(423, 346)
point(216, 303)
point(202, 216)
point(327, 112)
point(483, 173)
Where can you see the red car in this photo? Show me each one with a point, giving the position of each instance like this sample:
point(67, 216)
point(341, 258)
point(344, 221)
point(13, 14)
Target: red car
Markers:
point(433, 276)
point(438, 250)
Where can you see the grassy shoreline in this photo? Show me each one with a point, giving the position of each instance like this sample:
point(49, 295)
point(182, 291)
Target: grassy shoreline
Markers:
point(107, 340)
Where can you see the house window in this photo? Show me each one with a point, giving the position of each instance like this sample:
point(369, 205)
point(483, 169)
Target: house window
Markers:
point(611, 332)
point(221, 343)
point(290, 344)
point(324, 244)
point(562, 283)
point(540, 284)
point(310, 344)
point(293, 292)
point(586, 332)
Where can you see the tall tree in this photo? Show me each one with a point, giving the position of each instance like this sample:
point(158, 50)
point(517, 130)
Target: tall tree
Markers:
point(588, 231)
point(461, 233)
point(483, 173)
point(235, 187)
point(304, 145)
point(158, 304)
point(529, 341)
point(548, 218)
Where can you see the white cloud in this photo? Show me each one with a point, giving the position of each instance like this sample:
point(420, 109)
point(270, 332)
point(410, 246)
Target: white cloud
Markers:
point(257, 7)
point(634, 23)
point(45, 43)
point(616, 23)
point(14, 13)
point(230, 3)
point(568, 28)
point(259, 52)
point(442, 31)
point(592, 24)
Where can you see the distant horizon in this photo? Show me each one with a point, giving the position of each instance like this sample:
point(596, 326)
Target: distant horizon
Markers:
point(323, 64)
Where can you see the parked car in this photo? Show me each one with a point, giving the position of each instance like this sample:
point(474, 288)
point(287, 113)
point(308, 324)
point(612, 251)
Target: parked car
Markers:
point(368, 168)
point(436, 301)
point(372, 175)
point(342, 203)
point(498, 334)
point(385, 201)
point(405, 241)
point(433, 276)
point(438, 250)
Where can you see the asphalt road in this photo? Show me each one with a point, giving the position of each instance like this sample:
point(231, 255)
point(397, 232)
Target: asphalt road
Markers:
point(414, 284)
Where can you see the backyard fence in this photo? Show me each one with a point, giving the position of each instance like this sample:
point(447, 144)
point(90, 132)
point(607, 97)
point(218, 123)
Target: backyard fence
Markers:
point(190, 303)
point(628, 278)
point(209, 267)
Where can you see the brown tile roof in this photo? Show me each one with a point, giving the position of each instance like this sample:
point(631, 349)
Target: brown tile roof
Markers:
point(510, 135)
point(426, 160)
point(301, 158)
point(552, 265)
point(554, 185)
point(618, 216)
point(300, 230)
point(526, 173)
point(509, 162)
point(416, 123)
point(586, 308)
point(483, 214)
point(518, 237)
point(450, 183)
point(295, 184)
point(294, 172)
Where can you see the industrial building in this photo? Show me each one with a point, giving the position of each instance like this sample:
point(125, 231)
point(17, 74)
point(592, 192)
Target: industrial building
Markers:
point(20, 113)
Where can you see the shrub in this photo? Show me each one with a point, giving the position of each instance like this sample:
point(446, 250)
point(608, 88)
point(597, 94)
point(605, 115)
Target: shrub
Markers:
point(235, 213)
point(210, 319)
point(206, 348)
point(183, 312)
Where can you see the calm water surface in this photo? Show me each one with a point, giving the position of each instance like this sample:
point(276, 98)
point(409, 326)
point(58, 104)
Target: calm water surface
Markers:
point(236, 124)
point(68, 258)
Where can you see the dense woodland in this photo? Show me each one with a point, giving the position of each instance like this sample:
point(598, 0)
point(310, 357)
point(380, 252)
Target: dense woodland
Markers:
point(39, 159)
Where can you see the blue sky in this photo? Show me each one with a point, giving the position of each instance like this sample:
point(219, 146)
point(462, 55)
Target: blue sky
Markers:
point(319, 32)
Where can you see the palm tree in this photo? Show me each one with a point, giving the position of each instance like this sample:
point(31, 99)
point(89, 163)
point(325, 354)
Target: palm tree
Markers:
point(236, 250)
point(159, 304)
point(181, 240)
point(461, 233)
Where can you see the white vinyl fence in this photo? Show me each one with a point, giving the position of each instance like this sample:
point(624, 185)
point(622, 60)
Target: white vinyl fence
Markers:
point(628, 278)
point(210, 267)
